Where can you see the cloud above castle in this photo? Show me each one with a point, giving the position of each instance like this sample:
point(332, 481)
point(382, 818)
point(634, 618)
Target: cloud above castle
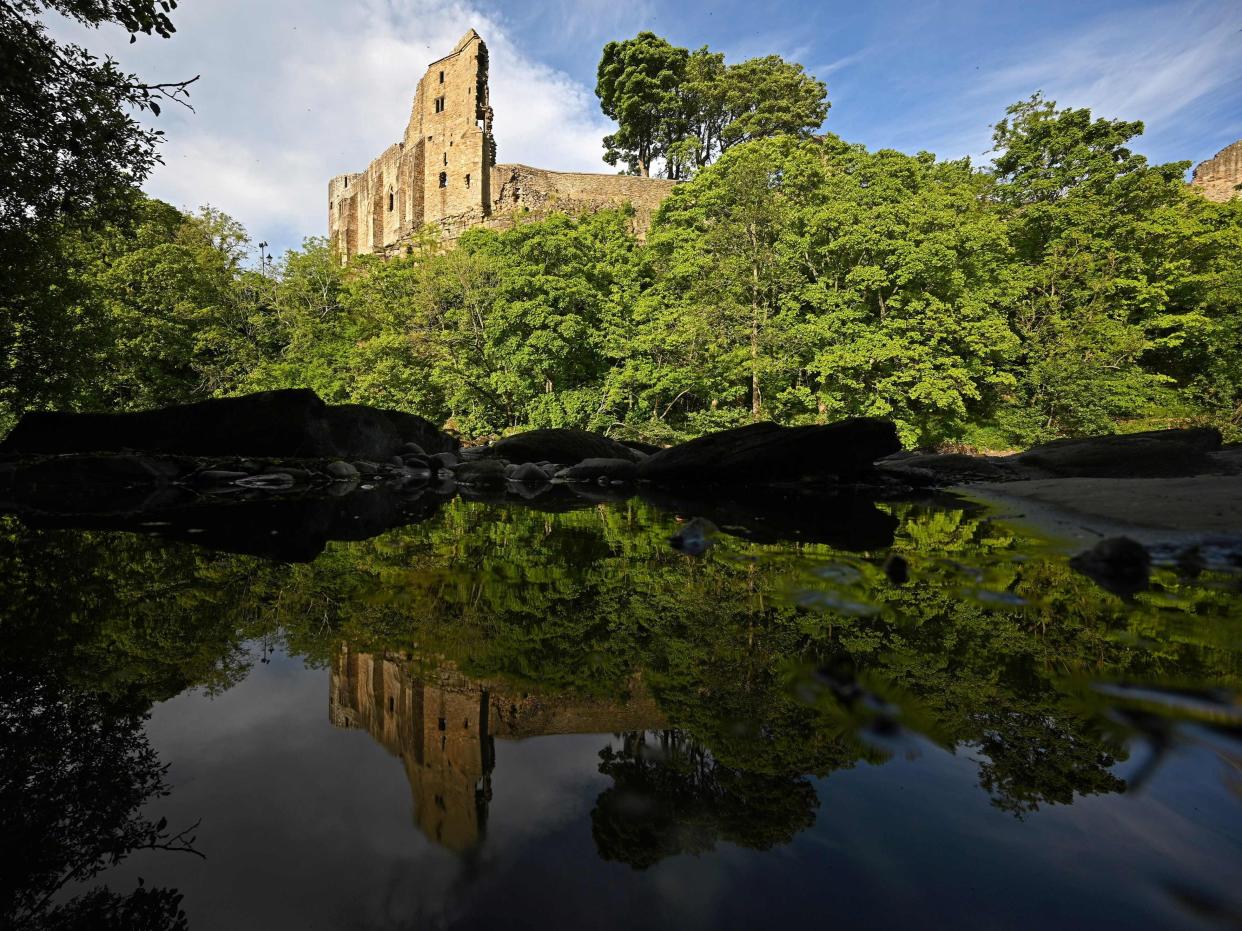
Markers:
point(295, 91)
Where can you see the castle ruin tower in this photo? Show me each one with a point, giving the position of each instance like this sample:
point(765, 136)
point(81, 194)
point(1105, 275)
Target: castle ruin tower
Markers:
point(1220, 177)
point(440, 173)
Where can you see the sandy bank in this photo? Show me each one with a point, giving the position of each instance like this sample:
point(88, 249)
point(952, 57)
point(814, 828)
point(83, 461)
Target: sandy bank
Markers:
point(1151, 510)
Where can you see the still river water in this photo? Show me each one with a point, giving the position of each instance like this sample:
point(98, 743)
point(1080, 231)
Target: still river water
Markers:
point(547, 716)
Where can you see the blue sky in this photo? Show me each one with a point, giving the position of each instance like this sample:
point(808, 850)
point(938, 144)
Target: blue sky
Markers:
point(295, 91)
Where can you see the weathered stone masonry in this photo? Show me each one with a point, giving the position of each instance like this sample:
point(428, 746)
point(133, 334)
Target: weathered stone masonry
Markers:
point(444, 172)
point(1220, 177)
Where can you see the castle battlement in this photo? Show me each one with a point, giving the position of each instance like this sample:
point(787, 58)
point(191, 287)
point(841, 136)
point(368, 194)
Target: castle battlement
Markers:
point(444, 172)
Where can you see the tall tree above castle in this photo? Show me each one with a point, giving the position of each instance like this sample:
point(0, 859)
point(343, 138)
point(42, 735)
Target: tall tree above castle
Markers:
point(686, 108)
point(636, 84)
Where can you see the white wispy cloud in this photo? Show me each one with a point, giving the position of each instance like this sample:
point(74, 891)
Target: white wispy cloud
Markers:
point(1175, 67)
point(296, 91)
point(1150, 64)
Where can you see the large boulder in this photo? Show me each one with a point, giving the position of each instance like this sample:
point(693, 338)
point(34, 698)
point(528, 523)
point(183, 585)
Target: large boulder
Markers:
point(558, 444)
point(937, 469)
point(1158, 453)
point(592, 470)
point(288, 423)
point(767, 453)
point(421, 432)
point(361, 432)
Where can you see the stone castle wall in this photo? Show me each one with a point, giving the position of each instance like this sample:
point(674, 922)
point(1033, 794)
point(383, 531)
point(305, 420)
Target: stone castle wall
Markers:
point(1220, 177)
point(444, 172)
point(522, 191)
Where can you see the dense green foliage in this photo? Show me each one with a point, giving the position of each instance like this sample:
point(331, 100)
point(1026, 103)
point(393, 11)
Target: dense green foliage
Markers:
point(685, 108)
point(72, 158)
point(1068, 288)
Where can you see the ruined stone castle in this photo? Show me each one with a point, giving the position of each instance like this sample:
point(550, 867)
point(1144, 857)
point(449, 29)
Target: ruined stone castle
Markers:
point(444, 172)
point(1220, 177)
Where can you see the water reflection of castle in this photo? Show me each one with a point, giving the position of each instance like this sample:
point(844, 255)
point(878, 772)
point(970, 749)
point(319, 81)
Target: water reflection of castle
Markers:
point(443, 725)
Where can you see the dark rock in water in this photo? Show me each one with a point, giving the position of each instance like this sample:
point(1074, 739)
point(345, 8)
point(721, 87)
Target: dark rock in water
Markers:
point(527, 474)
point(341, 471)
point(646, 449)
point(1154, 454)
point(217, 476)
point(480, 472)
point(298, 475)
point(85, 472)
point(1118, 564)
point(419, 433)
point(361, 432)
point(897, 569)
point(767, 453)
point(770, 515)
point(292, 423)
point(591, 470)
point(111, 483)
point(940, 469)
point(288, 423)
point(558, 445)
point(695, 537)
point(269, 481)
point(290, 529)
point(442, 460)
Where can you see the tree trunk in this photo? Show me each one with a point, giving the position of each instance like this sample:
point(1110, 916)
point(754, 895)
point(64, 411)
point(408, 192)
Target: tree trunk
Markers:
point(754, 362)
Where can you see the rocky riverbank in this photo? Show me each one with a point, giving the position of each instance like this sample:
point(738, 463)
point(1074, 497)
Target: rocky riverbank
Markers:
point(281, 473)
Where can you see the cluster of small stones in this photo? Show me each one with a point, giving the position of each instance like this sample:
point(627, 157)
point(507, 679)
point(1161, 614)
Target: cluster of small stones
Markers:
point(412, 466)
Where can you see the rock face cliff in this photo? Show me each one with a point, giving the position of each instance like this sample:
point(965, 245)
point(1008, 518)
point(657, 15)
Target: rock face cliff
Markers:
point(1220, 177)
point(444, 172)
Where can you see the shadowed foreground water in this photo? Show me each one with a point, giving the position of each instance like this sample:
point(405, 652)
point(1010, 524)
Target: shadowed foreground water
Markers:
point(504, 717)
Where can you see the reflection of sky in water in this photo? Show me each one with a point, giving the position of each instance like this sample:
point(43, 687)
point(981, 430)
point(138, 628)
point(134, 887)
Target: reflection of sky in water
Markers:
point(310, 826)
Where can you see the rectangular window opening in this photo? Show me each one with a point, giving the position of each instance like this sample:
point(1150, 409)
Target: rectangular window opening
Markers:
point(467, 181)
point(444, 179)
point(441, 77)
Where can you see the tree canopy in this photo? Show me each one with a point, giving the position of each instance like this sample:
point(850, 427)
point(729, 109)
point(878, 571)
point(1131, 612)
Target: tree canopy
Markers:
point(686, 108)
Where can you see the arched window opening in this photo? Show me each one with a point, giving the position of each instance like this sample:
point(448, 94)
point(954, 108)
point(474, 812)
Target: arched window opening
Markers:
point(392, 200)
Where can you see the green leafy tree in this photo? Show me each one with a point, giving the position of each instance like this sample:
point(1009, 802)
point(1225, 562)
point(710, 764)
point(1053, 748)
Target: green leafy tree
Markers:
point(636, 84)
point(1121, 272)
point(689, 107)
point(770, 97)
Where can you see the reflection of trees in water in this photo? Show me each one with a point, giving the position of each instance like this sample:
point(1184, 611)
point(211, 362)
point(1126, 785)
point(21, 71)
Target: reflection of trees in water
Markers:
point(585, 603)
point(1033, 758)
point(670, 796)
point(75, 776)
